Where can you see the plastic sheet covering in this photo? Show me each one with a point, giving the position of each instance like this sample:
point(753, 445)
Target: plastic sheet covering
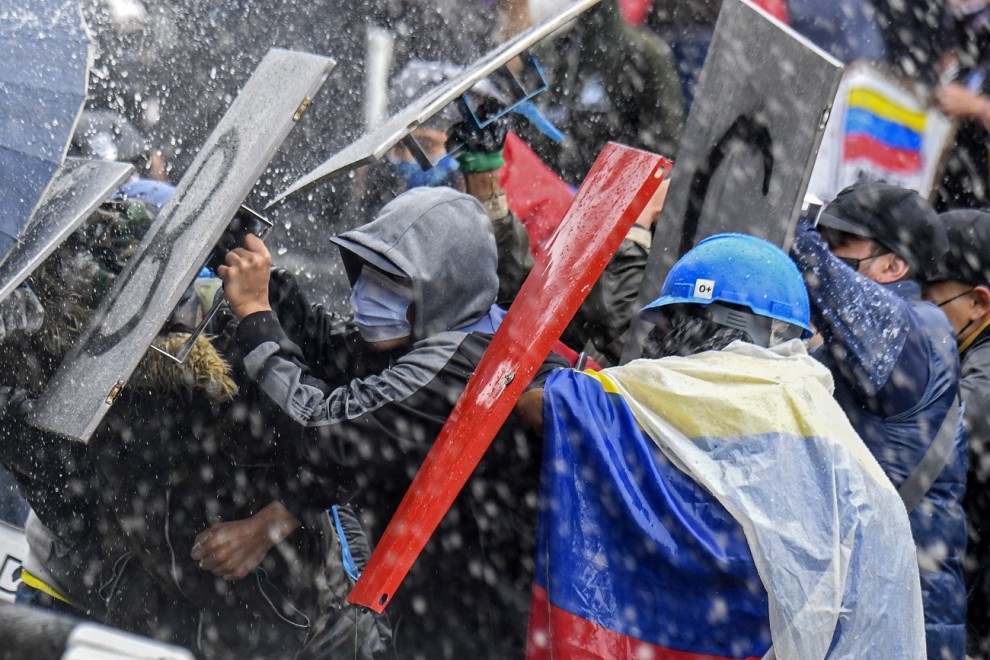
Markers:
point(701, 508)
point(759, 430)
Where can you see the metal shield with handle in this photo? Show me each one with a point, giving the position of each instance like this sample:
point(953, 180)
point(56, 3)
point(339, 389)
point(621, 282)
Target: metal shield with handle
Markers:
point(175, 247)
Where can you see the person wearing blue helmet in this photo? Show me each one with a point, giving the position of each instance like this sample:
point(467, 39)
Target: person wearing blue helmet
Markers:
point(896, 370)
point(711, 499)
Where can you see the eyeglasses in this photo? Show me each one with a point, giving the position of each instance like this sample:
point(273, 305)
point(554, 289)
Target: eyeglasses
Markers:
point(854, 263)
point(955, 297)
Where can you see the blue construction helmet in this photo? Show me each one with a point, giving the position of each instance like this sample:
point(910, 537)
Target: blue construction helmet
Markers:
point(741, 282)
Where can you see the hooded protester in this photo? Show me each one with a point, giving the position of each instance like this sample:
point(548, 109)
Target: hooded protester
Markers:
point(896, 372)
point(113, 537)
point(68, 559)
point(961, 289)
point(424, 285)
point(608, 81)
point(712, 498)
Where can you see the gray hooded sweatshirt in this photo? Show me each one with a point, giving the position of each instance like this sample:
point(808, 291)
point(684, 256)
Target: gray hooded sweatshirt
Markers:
point(363, 440)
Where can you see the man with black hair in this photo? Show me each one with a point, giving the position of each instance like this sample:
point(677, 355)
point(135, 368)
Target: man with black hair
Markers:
point(896, 372)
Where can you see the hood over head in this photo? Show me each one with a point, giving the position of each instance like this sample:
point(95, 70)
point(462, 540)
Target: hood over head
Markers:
point(968, 259)
point(442, 241)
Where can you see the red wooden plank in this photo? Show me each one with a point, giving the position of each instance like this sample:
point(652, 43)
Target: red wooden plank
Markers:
point(612, 196)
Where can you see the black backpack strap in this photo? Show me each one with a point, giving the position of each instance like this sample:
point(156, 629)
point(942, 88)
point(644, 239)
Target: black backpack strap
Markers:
point(933, 462)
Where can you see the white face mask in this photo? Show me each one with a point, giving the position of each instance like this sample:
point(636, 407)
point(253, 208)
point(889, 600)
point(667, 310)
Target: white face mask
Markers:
point(380, 304)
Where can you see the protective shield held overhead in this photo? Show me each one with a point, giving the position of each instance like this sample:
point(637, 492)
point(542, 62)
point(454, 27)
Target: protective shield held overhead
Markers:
point(375, 144)
point(178, 243)
point(44, 68)
point(78, 189)
point(749, 143)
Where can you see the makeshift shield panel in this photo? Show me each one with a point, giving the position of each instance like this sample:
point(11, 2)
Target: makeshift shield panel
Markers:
point(44, 68)
point(748, 145)
point(79, 188)
point(372, 146)
point(614, 193)
point(178, 243)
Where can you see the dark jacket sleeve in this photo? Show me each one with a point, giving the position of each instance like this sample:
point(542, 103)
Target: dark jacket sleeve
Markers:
point(330, 343)
point(868, 330)
point(53, 474)
point(605, 314)
point(514, 258)
point(337, 430)
point(974, 388)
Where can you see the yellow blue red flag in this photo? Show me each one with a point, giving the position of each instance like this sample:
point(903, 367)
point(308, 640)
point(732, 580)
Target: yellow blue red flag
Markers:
point(710, 506)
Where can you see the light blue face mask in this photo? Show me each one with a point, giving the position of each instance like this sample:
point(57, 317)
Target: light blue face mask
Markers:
point(379, 304)
point(444, 173)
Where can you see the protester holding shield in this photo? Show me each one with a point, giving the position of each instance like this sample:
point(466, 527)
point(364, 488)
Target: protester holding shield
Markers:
point(424, 285)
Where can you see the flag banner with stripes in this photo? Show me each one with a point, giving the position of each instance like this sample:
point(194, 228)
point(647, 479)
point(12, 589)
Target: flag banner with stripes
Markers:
point(880, 129)
point(706, 507)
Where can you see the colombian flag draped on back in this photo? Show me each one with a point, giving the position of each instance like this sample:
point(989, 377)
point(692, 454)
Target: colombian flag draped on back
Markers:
point(698, 507)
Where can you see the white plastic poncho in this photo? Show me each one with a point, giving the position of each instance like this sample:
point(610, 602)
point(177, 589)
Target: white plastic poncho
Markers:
point(830, 560)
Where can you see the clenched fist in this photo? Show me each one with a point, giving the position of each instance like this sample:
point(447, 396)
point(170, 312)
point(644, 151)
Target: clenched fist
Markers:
point(245, 277)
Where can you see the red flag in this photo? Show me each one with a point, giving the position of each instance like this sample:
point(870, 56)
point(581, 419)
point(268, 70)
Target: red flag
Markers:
point(635, 11)
point(537, 196)
point(776, 8)
point(614, 193)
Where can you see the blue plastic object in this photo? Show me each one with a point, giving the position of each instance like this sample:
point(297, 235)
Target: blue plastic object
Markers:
point(741, 270)
point(528, 110)
point(350, 566)
point(154, 193)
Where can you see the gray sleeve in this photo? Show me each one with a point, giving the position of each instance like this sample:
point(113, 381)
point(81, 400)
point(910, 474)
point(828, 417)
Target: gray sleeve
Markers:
point(310, 403)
